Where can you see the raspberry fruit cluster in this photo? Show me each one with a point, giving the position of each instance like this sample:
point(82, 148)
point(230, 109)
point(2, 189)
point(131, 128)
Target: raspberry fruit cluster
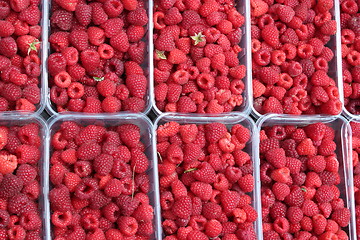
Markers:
point(100, 185)
point(98, 52)
point(291, 57)
point(350, 47)
point(206, 181)
point(20, 35)
point(20, 216)
point(299, 172)
point(355, 127)
point(197, 67)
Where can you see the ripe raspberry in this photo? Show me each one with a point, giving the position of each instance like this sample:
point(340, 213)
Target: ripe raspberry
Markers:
point(8, 163)
point(60, 198)
point(10, 185)
point(26, 173)
point(137, 85)
point(341, 216)
point(88, 151)
point(201, 190)
point(106, 87)
point(306, 147)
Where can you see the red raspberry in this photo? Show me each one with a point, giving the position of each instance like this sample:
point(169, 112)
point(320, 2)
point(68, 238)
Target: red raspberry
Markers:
point(270, 34)
point(341, 216)
point(89, 151)
point(83, 14)
point(30, 220)
point(306, 147)
point(182, 207)
point(90, 59)
point(137, 85)
point(106, 87)
point(120, 42)
point(186, 105)
point(229, 200)
point(60, 198)
point(202, 190)
point(10, 185)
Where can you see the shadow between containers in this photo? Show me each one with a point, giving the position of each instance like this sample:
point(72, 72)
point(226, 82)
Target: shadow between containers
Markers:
point(343, 153)
point(147, 137)
point(251, 148)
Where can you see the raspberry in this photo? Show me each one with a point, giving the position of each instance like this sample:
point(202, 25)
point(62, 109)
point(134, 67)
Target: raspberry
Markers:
point(103, 164)
point(137, 85)
point(270, 34)
point(143, 213)
point(60, 198)
point(88, 151)
point(26, 173)
point(272, 105)
point(127, 225)
point(306, 147)
point(341, 216)
point(202, 190)
point(10, 185)
point(276, 157)
point(30, 220)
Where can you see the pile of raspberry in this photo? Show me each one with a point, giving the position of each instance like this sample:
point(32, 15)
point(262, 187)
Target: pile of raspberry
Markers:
point(355, 127)
point(100, 184)
point(20, 216)
point(206, 182)
point(291, 51)
point(19, 61)
point(299, 173)
point(197, 67)
point(98, 51)
point(350, 47)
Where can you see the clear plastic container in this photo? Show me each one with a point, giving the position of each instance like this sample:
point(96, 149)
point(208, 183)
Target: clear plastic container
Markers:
point(335, 65)
point(9, 120)
point(43, 6)
point(357, 120)
point(146, 65)
point(252, 148)
point(342, 140)
point(108, 120)
point(243, 7)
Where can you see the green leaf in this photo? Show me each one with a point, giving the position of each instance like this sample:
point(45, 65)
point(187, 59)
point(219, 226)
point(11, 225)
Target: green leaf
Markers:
point(160, 54)
point(303, 189)
point(32, 46)
point(198, 38)
point(190, 170)
point(98, 79)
